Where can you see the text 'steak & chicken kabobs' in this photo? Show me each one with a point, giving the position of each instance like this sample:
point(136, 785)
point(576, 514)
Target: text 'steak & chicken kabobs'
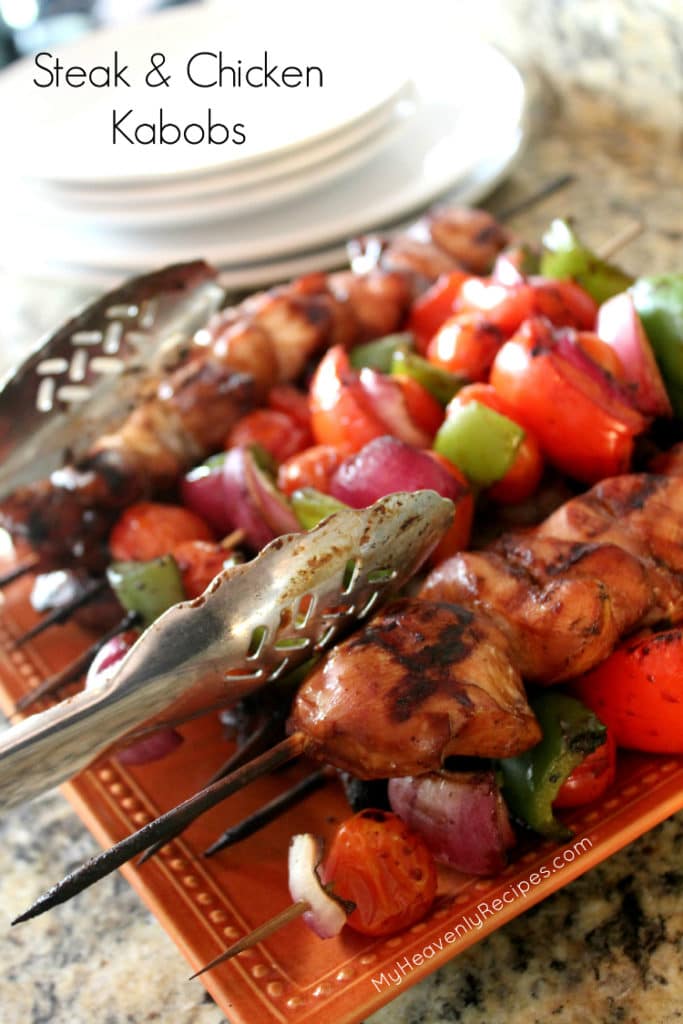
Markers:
point(455, 390)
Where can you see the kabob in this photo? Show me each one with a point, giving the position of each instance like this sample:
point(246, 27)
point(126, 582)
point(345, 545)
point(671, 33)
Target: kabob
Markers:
point(228, 368)
point(588, 577)
point(387, 702)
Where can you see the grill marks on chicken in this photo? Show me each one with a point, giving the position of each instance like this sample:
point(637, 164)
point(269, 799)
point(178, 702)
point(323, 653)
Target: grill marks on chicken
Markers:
point(602, 565)
point(443, 674)
point(422, 681)
point(268, 339)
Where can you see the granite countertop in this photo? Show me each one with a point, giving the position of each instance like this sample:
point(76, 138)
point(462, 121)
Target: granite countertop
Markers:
point(607, 948)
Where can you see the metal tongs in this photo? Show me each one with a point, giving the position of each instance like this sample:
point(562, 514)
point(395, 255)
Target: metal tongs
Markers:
point(81, 380)
point(254, 624)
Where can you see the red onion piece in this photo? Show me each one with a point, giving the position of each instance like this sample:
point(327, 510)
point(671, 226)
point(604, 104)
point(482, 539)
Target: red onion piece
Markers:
point(620, 327)
point(105, 663)
point(569, 358)
point(389, 404)
point(152, 748)
point(202, 492)
point(252, 502)
point(103, 667)
point(53, 589)
point(326, 916)
point(387, 465)
point(460, 815)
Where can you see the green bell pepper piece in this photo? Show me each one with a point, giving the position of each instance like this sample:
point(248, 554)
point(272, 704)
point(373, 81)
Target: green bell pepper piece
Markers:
point(532, 780)
point(440, 383)
point(480, 442)
point(659, 304)
point(564, 256)
point(378, 354)
point(148, 588)
point(311, 506)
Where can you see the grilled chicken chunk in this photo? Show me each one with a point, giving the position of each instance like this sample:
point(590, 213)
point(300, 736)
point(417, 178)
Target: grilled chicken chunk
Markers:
point(563, 595)
point(443, 673)
point(422, 681)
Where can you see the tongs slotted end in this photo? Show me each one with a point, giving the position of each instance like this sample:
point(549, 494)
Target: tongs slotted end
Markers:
point(254, 623)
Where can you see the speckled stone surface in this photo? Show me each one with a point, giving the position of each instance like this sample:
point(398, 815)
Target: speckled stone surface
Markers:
point(608, 948)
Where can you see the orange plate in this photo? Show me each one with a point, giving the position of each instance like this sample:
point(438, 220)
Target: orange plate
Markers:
point(205, 905)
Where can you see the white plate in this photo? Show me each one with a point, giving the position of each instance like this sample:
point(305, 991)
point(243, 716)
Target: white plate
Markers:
point(482, 180)
point(71, 128)
point(193, 206)
point(443, 144)
point(224, 179)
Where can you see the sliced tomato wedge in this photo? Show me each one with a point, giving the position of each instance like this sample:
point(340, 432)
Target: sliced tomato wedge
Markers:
point(199, 563)
point(564, 303)
point(423, 409)
point(284, 398)
point(591, 778)
point(638, 692)
point(580, 429)
point(433, 308)
point(311, 468)
point(457, 538)
point(466, 344)
point(341, 414)
point(504, 306)
point(281, 434)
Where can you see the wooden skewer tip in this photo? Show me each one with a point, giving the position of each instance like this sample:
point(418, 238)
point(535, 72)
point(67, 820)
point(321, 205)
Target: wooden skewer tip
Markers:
point(290, 913)
point(163, 828)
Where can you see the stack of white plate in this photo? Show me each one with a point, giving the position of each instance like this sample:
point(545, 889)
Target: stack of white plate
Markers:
point(388, 132)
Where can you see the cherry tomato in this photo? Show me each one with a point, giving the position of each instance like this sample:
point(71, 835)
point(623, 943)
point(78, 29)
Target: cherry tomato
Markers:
point(524, 475)
point(341, 413)
point(434, 307)
point(199, 562)
point(423, 409)
point(458, 534)
point(291, 401)
point(638, 693)
point(564, 303)
point(310, 468)
point(591, 778)
point(504, 306)
point(383, 867)
point(466, 344)
point(278, 432)
point(149, 529)
point(579, 430)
